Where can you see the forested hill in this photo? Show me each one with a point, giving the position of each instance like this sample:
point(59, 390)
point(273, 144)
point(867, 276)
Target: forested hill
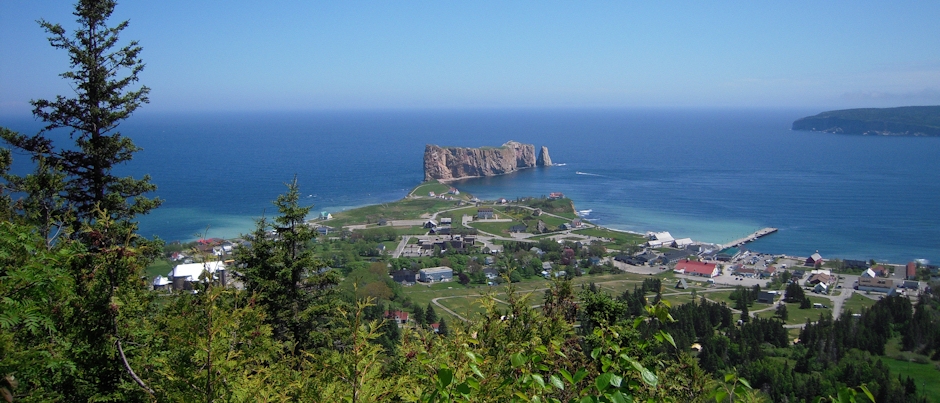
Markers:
point(901, 121)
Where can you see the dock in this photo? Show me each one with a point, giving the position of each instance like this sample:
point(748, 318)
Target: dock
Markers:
point(753, 237)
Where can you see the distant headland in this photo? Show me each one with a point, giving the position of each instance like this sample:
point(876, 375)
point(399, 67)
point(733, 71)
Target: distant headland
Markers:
point(901, 121)
point(452, 163)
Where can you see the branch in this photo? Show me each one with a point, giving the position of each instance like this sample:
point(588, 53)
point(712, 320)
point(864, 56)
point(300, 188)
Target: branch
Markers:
point(131, 371)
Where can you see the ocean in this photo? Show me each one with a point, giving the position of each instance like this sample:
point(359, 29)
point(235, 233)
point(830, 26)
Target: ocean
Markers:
point(712, 175)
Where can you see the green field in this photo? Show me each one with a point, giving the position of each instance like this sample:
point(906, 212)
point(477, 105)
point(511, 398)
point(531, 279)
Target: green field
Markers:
point(616, 237)
point(856, 303)
point(430, 186)
point(495, 228)
point(159, 267)
point(406, 209)
point(927, 376)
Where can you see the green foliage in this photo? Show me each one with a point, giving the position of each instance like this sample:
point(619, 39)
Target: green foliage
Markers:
point(281, 271)
point(81, 173)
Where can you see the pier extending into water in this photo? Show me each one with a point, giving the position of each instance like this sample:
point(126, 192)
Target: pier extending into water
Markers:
point(749, 238)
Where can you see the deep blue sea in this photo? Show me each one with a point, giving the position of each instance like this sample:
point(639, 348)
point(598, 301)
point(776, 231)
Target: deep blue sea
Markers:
point(712, 175)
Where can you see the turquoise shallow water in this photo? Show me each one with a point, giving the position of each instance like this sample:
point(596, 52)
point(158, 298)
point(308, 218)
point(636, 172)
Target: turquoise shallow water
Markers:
point(713, 175)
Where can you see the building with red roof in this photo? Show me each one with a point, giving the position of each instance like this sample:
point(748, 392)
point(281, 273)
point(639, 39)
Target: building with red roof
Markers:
point(696, 268)
point(911, 271)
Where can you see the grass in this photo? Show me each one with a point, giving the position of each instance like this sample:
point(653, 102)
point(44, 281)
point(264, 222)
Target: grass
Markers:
point(926, 376)
point(406, 209)
point(616, 237)
point(496, 228)
point(856, 303)
point(158, 268)
point(430, 186)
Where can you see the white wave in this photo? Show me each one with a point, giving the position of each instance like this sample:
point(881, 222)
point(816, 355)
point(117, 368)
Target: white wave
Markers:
point(583, 213)
point(586, 173)
point(560, 165)
point(922, 261)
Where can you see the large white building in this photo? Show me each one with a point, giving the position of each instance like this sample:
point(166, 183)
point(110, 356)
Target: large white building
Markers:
point(182, 276)
point(436, 274)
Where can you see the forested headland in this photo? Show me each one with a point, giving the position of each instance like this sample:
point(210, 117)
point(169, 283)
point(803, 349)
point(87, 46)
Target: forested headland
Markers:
point(900, 121)
point(313, 316)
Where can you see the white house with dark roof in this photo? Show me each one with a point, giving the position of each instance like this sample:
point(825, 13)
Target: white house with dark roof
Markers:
point(182, 276)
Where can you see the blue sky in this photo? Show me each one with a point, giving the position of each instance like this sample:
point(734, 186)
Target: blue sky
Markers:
point(303, 55)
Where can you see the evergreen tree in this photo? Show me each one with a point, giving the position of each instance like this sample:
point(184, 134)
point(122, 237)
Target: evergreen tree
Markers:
point(103, 99)
point(429, 315)
point(745, 315)
point(281, 271)
point(805, 303)
point(782, 312)
point(418, 314)
point(442, 328)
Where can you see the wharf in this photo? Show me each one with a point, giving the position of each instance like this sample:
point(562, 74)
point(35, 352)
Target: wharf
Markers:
point(749, 238)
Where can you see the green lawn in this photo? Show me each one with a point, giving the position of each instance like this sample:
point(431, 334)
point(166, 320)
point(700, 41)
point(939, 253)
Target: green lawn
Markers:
point(430, 186)
point(495, 228)
point(856, 303)
point(406, 209)
point(160, 267)
point(927, 376)
point(619, 238)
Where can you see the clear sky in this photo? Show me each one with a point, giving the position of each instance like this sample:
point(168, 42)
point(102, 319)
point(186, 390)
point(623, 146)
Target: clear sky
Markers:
point(238, 55)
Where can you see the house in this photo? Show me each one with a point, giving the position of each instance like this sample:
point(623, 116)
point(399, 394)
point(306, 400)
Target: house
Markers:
point(682, 243)
point(536, 251)
point(819, 278)
point(695, 268)
point(546, 265)
point(821, 288)
point(447, 221)
point(911, 284)
point(766, 297)
point(911, 272)
point(436, 274)
point(399, 317)
point(769, 271)
point(324, 230)
point(489, 260)
point(160, 283)
point(383, 222)
point(745, 271)
point(814, 260)
point(325, 215)
point(404, 277)
point(432, 194)
point(454, 191)
point(854, 264)
point(485, 213)
point(881, 271)
point(430, 224)
point(681, 284)
point(518, 228)
point(381, 248)
point(875, 284)
point(674, 255)
point(182, 276)
point(556, 195)
point(869, 273)
point(537, 212)
point(577, 223)
point(490, 274)
point(798, 274)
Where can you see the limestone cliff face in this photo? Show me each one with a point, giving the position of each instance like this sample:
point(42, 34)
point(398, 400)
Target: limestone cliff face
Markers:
point(544, 159)
point(447, 163)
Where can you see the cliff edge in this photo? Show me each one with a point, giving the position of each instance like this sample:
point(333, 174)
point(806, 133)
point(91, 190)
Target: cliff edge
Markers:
point(449, 163)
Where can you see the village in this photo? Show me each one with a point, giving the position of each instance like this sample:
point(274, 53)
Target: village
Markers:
point(452, 251)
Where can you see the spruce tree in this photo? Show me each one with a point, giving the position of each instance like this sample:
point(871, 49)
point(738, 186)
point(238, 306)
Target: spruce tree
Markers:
point(281, 271)
point(430, 316)
point(102, 74)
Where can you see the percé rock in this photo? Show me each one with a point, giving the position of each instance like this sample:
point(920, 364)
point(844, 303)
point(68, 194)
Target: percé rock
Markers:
point(901, 121)
point(448, 163)
point(544, 159)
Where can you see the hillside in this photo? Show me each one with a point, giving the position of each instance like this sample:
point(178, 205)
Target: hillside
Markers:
point(901, 121)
